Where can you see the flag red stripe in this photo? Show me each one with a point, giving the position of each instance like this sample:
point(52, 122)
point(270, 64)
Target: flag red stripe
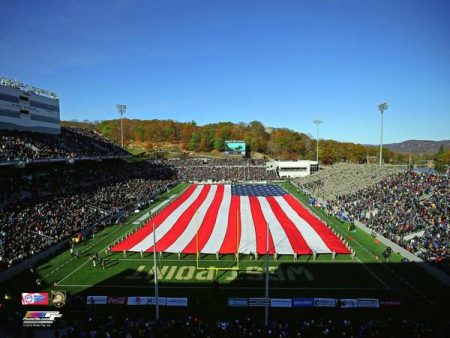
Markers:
point(260, 228)
point(147, 229)
point(330, 239)
point(296, 239)
point(232, 238)
point(180, 225)
point(207, 226)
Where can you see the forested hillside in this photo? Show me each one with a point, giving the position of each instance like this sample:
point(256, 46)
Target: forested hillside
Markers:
point(279, 143)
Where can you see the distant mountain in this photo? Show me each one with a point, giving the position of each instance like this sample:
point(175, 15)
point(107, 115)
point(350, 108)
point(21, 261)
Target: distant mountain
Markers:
point(418, 146)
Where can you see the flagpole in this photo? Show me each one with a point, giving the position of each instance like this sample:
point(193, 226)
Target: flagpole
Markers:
point(266, 312)
point(155, 274)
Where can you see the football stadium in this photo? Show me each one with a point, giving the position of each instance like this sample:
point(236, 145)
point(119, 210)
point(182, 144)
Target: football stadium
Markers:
point(169, 217)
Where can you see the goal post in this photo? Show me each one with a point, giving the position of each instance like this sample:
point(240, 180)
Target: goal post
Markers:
point(236, 254)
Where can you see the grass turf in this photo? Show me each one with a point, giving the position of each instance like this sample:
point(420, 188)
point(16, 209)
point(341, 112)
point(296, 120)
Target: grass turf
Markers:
point(365, 276)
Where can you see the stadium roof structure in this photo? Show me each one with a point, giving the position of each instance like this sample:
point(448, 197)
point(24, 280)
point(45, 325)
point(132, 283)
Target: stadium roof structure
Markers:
point(27, 88)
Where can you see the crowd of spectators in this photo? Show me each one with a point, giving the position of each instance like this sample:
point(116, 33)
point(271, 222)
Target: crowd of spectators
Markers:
point(128, 327)
point(398, 205)
point(43, 204)
point(343, 179)
point(53, 203)
point(70, 143)
point(226, 169)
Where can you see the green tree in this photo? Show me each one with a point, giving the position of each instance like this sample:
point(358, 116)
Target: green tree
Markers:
point(439, 161)
point(193, 142)
point(219, 144)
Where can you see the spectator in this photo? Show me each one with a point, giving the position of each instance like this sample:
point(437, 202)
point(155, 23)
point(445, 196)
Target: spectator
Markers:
point(394, 205)
point(226, 169)
point(71, 143)
point(57, 202)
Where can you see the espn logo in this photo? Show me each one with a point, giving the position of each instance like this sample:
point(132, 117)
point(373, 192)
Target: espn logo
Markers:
point(37, 298)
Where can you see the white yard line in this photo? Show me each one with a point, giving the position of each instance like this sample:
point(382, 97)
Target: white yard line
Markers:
point(84, 250)
point(87, 261)
point(70, 274)
point(374, 274)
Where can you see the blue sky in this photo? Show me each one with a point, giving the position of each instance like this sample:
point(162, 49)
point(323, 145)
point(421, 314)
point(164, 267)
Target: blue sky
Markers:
point(280, 62)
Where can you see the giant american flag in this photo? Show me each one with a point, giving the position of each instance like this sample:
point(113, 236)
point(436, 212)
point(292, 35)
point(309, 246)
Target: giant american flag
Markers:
point(227, 219)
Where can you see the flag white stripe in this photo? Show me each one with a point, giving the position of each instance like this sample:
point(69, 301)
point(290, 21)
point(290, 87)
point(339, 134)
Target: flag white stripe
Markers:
point(248, 234)
point(220, 227)
point(279, 236)
point(312, 238)
point(189, 233)
point(168, 223)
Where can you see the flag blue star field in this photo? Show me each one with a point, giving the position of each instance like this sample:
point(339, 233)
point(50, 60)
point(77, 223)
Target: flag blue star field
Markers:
point(265, 190)
point(234, 218)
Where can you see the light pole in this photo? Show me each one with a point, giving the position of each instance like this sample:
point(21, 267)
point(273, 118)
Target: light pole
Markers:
point(155, 275)
point(121, 108)
point(266, 304)
point(317, 122)
point(382, 107)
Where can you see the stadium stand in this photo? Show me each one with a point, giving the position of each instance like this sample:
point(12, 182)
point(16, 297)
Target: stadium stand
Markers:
point(126, 326)
point(71, 143)
point(46, 204)
point(343, 179)
point(232, 169)
point(394, 205)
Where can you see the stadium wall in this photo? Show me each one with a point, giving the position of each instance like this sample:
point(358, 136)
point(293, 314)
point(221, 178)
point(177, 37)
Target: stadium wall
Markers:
point(27, 111)
point(293, 169)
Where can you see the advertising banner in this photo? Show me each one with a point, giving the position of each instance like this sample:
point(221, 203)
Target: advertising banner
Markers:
point(96, 299)
point(303, 302)
point(390, 302)
point(281, 302)
point(177, 301)
point(138, 300)
point(258, 302)
point(237, 302)
point(324, 302)
point(347, 303)
point(368, 302)
point(35, 298)
point(117, 300)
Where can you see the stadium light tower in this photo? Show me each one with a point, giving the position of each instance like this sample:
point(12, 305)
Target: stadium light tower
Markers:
point(266, 304)
point(155, 274)
point(382, 107)
point(121, 108)
point(317, 122)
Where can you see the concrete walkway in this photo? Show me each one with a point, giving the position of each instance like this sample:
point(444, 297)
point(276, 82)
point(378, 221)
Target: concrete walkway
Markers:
point(438, 274)
point(415, 234)
point(394, 246)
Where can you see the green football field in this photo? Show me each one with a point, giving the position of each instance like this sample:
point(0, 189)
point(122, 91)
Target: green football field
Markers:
point(210, 280)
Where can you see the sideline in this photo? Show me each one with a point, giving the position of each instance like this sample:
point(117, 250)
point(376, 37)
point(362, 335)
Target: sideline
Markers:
point(313, 209)
point(436, 273)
